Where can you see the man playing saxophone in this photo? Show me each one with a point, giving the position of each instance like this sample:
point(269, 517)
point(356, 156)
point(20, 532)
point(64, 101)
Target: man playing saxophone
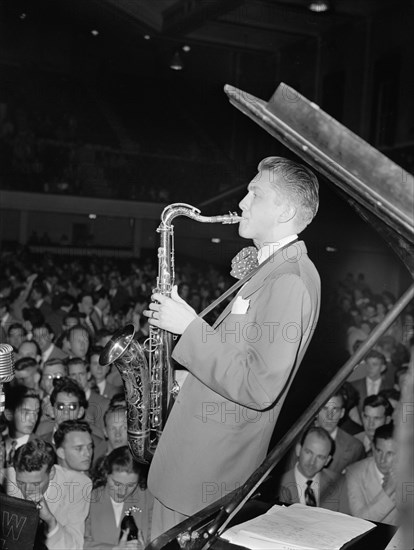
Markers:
point(240, 369)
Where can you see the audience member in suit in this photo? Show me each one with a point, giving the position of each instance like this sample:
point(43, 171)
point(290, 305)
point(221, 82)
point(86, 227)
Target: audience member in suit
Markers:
point(22, 408)
point(30, 348)
point(375, 380)
point(53, 369)
point(39, 297)
point(57, 317)
point(97, 404)
point(348, 449)
point(309, 482)
point(85, 307)
point(26, 373)
point(16, 335)
point(376, 412)
point(116, 428)
point(393, 397)
point(78, 339)
point(69, 403)
point(371, 483)
point(118, 295)
point(63, 504)
point(116, 431)
point(120, 486)
point(100, 372)
point(347, 423)
point(100, 306)
point(43, 335)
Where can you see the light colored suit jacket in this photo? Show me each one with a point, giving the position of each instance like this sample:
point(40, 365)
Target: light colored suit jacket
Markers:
point(331, 490)
point(220, 426)
point(101, 530)
point(367, 499)
point(68, 497)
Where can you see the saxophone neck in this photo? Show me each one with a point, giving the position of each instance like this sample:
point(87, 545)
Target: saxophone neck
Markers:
point(182, 209)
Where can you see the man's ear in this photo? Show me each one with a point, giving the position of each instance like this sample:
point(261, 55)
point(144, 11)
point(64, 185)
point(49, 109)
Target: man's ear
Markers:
point(52, 472)
point(288, 213)
point(60, 452)
point(298, 448)
point(81, 412)
point(37, 377)
point(342, 413)
point(327, 461)
point(8, 415)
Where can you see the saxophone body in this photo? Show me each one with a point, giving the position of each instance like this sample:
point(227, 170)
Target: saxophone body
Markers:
point(146, 371)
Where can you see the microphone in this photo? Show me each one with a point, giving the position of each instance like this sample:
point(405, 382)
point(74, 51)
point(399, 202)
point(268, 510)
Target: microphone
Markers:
point(6, 369)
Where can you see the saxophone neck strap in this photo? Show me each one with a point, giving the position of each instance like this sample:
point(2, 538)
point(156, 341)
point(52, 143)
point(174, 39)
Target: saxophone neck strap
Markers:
point(242, 282)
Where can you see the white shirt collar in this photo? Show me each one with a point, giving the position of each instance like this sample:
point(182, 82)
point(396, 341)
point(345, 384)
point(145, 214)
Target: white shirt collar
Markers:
point(101, 386)
point(334, 433)
point(301, 484)
point(270, 248)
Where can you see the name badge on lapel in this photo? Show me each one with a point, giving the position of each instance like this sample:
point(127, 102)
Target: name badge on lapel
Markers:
point(240, 306)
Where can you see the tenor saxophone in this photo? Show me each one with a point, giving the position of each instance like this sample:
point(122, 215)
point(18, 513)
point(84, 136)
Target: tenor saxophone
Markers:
point(146, 370)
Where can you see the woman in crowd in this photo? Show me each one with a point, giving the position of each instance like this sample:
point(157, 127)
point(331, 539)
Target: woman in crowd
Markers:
point(119, 489)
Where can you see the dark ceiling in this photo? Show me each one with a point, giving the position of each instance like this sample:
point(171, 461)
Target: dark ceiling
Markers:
point(256, 25)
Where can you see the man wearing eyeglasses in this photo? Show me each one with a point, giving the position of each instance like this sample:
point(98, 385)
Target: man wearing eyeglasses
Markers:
point(69, 403)
point(53, 369)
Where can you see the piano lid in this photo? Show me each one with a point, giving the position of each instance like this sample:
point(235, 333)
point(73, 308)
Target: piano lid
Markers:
point(381, 191)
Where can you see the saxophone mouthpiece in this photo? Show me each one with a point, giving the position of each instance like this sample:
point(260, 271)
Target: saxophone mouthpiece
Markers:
point(234, 218)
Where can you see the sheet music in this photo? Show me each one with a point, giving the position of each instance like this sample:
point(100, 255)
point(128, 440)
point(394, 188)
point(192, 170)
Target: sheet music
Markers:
point(298, 527)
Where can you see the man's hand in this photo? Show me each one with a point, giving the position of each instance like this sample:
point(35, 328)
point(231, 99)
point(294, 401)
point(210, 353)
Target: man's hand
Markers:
point(172, 314)
point(125, 544)
point(389, 484)
point(46, 515)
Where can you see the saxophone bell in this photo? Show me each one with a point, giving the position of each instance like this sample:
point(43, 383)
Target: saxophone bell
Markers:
point(128, 356)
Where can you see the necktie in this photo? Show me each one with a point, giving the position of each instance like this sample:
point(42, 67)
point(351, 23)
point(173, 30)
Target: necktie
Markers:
point(12, 452)
point(310, 499)
point(244, 262)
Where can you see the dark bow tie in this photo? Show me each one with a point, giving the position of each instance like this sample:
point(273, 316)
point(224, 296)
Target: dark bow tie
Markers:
point(244, 262)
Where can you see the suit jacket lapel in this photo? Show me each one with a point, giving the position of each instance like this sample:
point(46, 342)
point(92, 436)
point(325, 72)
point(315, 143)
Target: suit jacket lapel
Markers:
point(278, 259)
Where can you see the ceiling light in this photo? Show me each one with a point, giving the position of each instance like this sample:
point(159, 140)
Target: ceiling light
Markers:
point(22, 16)
point(176, 63)
point(319, 6)
point(147, 37)
point(94, 32)
point(186, 48)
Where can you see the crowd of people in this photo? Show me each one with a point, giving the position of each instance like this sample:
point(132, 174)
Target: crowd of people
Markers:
point(64, 431)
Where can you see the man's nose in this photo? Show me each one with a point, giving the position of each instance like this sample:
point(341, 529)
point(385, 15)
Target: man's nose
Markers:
point(87, 452)
point(243, 204)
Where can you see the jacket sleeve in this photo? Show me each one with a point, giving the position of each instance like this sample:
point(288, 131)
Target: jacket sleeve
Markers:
point(373, 507)
point(248, 358)
point(70, 530)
